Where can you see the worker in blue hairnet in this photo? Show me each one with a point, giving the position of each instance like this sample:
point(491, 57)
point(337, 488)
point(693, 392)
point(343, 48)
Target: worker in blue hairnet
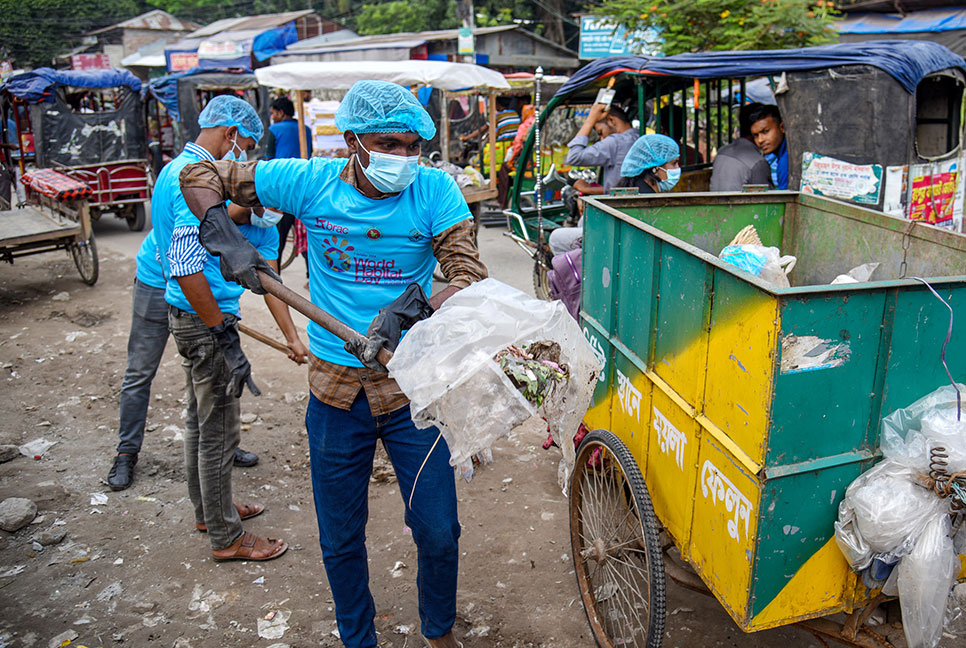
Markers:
point(377, 224)
point(652, 164)
point(202, 314)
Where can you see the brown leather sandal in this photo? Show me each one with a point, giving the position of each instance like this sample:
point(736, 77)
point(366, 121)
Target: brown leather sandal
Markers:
point(244, 549)
point(245, 511)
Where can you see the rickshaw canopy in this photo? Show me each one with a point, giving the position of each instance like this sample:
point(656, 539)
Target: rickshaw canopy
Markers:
point(35, 86)
point(908, 62)
point(340, 75)
point(165, 89)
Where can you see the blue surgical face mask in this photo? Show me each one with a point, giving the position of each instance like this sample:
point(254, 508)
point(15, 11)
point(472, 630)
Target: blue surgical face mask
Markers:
point(230, 155)
point(673, 175)
point(390, 173)
point(269, 218)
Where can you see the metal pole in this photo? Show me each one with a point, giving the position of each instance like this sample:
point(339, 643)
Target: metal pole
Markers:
point(491, 137)
point(538, 80)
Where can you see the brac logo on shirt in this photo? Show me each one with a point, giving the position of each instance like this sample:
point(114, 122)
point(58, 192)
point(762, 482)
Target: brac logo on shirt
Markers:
point(374, 271)
point(337, 255)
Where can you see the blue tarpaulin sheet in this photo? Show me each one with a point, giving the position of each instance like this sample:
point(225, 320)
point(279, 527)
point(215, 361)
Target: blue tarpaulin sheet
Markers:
point(269, 43)
point(908, 62)
point(34, 86)
point(165, 89)
point(933, 20)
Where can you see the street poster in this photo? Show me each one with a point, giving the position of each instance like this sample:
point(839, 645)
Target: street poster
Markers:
point(933, 197)
point(825, 176)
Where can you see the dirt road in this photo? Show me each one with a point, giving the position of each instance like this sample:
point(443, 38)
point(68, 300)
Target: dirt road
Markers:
point(131, 571)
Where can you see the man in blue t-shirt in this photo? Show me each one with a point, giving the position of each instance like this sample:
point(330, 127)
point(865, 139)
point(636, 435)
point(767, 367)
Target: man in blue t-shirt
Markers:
point(283, 143)
point(376, 225)
point(203, 314)
point(145, 347)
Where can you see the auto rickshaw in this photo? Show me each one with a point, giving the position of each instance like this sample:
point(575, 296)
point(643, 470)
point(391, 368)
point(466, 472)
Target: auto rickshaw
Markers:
point(887, 110)
point(173, 103)
point(86, 125)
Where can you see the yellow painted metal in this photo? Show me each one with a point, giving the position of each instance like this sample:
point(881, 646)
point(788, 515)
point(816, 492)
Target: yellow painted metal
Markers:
point(817, 588)
point(630, 407)
point(672, 466)
point(725, 526)
point(741, 358)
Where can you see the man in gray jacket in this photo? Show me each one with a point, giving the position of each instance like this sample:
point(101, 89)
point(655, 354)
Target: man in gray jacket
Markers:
point(740, 163)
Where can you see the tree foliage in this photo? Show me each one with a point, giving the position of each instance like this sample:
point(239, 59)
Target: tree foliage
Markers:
point(35, 31)
point(703, 25)
point(406, 16)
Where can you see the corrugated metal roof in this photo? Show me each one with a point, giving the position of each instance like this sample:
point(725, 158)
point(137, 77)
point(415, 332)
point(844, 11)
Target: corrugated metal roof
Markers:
point(261, 22)
point(157, 19)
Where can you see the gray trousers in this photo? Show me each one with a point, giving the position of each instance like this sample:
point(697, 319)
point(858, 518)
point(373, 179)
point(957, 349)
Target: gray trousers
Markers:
point(564, 239)
point(212, 428)
point(145, 348)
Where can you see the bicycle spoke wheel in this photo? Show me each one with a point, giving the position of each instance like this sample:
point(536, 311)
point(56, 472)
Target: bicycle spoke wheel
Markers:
point(614, 541)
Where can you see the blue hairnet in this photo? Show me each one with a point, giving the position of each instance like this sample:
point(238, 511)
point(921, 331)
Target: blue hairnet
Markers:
point(225, 110)
point(383, 107)
point(649, 151)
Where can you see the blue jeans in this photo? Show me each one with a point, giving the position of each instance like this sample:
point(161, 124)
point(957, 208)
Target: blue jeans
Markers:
point(341, 447)
point(145, 347)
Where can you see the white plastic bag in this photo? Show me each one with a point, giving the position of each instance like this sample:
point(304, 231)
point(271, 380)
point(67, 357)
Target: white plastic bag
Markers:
point(445, 367)
point(889, 506)
point(858, 274)
point(926, 577)
point(761, 261)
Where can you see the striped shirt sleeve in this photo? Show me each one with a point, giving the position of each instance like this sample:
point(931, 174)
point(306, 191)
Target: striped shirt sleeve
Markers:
point(186, 255)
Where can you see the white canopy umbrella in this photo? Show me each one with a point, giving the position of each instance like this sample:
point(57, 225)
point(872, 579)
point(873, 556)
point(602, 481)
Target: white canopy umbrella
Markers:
point(340, 75)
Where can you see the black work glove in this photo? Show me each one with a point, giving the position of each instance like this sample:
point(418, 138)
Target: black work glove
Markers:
point(239, 259)
point(240, 371)
point(388, 325)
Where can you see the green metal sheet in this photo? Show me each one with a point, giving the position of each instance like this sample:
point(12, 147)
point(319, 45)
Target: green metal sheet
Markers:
point(638, 272)
point(600, 252)
point(823, 403)
point(797, 514)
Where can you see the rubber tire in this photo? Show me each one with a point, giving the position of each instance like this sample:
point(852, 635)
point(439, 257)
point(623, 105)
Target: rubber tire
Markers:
point(541, 281)
point(85, 258)
point(290, 252)
point(138, 217)
point(650, 530)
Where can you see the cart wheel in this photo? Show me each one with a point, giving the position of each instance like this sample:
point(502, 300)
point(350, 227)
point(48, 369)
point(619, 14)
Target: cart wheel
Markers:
point(290, 252)
point(541, 280)
point(137, 218)
point(614, 540)
point(85, 258)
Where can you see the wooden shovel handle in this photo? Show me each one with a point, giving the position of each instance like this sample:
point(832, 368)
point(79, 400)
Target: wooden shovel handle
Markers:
point(316, 314)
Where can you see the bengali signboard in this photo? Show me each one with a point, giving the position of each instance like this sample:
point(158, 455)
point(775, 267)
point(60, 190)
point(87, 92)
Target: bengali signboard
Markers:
point(182, 61)
point(90, 62)
point(600, 38)
point(933, 197)
point(826, 176)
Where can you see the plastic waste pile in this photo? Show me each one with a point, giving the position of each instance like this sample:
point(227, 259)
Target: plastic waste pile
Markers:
point(747, 253)
point(464, 176)
point(463, 369)
point(900, 523)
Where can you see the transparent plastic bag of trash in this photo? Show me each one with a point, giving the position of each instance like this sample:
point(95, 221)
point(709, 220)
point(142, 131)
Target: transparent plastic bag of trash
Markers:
point(445, 367)
point(882, 510)
point(908, 434)
point(926, 576)
point(761, 261)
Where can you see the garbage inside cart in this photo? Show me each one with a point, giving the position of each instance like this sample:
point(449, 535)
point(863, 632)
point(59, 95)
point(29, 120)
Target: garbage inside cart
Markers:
point(900, 524)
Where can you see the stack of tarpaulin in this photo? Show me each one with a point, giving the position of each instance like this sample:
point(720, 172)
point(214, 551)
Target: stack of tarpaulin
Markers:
point(901, 523)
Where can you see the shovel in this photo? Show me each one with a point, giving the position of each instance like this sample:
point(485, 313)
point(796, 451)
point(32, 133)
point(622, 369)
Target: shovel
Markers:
point(316, 314)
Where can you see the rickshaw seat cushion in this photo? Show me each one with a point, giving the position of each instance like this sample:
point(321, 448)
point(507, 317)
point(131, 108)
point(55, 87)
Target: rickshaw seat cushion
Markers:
point(383, 107)
point(56, 185)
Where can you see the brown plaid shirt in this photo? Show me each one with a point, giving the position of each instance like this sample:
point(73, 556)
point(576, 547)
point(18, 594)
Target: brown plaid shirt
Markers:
point(333, 384)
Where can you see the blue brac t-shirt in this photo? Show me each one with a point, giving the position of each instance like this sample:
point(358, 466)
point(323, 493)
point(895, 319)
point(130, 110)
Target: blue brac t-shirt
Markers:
point(226, 293)
point(363, 252)
point(149, 270)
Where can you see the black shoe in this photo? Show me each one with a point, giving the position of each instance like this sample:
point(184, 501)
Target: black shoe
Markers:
point(122, 472)
point(245, 459)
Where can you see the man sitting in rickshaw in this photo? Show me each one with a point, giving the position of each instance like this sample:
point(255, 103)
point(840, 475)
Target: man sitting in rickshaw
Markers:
point(769, 133)
point(617, 135)
point(740, 163)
